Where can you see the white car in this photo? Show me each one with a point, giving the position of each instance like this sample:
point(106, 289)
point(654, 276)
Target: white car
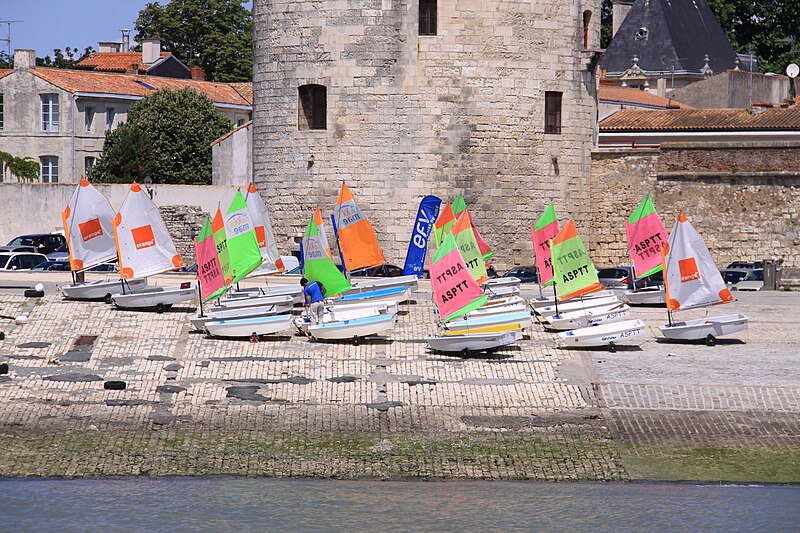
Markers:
point(20, 260)
point(754, 281)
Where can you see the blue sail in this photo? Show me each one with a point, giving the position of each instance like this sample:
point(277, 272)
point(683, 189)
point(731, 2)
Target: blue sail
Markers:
point(418, 244)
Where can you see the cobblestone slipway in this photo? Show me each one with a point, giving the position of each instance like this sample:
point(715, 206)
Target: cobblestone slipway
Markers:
point(386, 408)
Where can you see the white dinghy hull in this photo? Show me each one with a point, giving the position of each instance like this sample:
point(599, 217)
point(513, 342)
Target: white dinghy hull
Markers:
point(477, 342)
point(100, 289)
point(352, 329)
point(157, 297)
point(591, 317)
point(390, 297)
point(238, 303)
point(539, 303)
point(604, 335)
point(647, 296)
point(519, 320)
point(707, 329)
point(295, 291)
point(578, 305)
point(334, 314)
point(199, 321)
point(245, 327)
point(372, 284)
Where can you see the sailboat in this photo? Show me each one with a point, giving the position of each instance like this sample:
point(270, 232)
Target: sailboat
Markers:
point(575, 275)
point(692, 280)
point(145, 248)
point(89, 229)
point(645, 235)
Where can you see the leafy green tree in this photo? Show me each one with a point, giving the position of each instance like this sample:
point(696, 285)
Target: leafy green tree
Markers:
point(5, 61)
point(166, 138)
point(771, 29)
point(66, 58)
point(606, 28)
point(216, 35)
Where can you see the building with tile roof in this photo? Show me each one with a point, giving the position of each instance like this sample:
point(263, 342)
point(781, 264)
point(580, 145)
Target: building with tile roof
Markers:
point(59, 116)
point(612, 98)
point(151, 61)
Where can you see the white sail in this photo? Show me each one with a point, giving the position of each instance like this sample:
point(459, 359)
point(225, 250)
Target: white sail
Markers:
point(144, 245)
point(264, 234)
point(691, 277)
point(89, 228)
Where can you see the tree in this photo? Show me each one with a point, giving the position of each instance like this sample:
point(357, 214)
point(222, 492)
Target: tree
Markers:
point(216, 35)
point(166, 138)
point(24, 168)
point(64, 59)
point(770, 29)
point(606, 28)
point(5, 60)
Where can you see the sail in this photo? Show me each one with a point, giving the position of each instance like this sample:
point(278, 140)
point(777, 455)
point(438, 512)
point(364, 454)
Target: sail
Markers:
point(264, 234)
point(209, 270)
point(691, 277)
point(321, 230)
point(242, 243)
point(89, 228)
point(573, 269)
point(418, 243)
point(454, 289)
point(144, 246)
point(646, 234)
point(459, 206)
point(443, 224)
point(221, 242)
point(546, 228)
point(468, 246)
point(317, 264)
point(357, 240)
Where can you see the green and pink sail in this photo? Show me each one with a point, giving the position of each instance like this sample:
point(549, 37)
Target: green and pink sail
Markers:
point(573, 269)
point(455, 291)
point(459, 206)
point(646, 236)
point(245, 256)
point(545, 229)
point(317, 264)
point(209, 269)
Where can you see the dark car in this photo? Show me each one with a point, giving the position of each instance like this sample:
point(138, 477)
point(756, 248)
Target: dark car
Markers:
point(654, 280)
point(381, 271)
point(748, 265)
point(526, 274)
point(59, 254)
point(60, 266)
point(620, 277)
point(41, 243)
point(733, 275)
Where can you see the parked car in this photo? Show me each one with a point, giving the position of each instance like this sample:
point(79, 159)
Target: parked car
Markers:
point(620, 277)
point(754, 281)
point(732, 276)
point(190, 268)
point(747, 265)
point(381, 271)
point(105, 267)
point(43, 243)
point(654, 280)
point(526, 274)
point(59, 254)
point(20, 260)
point(61, 266)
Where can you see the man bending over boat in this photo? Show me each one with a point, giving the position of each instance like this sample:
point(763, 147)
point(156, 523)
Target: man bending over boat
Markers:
point(312, 295)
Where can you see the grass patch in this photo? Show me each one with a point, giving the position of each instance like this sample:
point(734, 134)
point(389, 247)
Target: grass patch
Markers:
point(739, 464)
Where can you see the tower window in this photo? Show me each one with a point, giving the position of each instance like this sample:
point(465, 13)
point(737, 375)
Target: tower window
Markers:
point(552, 112)
point(312, 107)
point(427, 17)
point(587, 18)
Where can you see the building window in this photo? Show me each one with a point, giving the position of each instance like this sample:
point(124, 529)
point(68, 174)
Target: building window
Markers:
point(2, 111)
point(587, 18)
point(110, 114)
point(427, 17)
point(89, 119)
point(49, 112)
point(49, 170)
point(552, 112)
point(88, 163)
point(313, 107)
point(240, 123)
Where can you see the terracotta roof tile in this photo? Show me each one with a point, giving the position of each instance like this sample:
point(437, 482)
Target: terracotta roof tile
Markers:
point(627, 95)
point(5, 72)
point(134, 85)
point(115, 61)
point(245, 89)
point(702, 120)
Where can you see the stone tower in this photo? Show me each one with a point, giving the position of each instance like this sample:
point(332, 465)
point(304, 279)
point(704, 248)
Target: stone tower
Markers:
point(495, 99)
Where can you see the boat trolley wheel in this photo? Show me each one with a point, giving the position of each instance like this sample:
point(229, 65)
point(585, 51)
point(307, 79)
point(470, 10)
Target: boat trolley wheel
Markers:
point(711, 340)
point(160, 308)
point(107, 298)
point(356, 341)
point(612, 347)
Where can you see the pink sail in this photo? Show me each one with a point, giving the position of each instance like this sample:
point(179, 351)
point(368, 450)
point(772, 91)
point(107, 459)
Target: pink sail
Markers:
point(546, 228)
point(645, 238)
point(455, 290)
point(209, 270)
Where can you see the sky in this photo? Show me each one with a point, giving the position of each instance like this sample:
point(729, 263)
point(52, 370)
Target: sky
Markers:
point(49, 24)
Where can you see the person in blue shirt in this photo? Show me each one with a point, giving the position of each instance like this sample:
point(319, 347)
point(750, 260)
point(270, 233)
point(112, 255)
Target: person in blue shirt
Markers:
point(313, 298)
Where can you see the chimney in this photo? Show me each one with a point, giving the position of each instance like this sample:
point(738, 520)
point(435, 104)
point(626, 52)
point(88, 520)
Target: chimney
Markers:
point(24, 59)
point(126, 40)
point(151, 51)
point(198, 74)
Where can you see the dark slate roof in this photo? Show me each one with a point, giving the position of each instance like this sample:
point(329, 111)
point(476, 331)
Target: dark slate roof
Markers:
point(680, 33)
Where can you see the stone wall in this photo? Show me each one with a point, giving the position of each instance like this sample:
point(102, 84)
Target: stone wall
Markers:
point(184, 222)
point(407, 115)
point(742, 198)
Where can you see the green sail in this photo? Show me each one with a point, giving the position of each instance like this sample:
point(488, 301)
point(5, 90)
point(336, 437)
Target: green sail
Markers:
point(243, 248)
point(642, 210)
point(573, 269)
point(221, 242)
point(458, 205)
point(547, 218)
point(317, 265)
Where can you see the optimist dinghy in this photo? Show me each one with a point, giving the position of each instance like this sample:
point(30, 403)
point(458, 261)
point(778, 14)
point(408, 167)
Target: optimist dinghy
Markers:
point(336, 314)
point(604, 335)
point(521, 319)
point(692, 280)
point(199, 320)
point(578, 305)
point(248, 326)
point(159, 298)
point(392, 296)
point(352, 329)
point(589, 317)
point(539, 303)
point(470, 343)
point(101, 289)
point(237, 303)
point(372, 284)
point(646, 296)
point(295, 291)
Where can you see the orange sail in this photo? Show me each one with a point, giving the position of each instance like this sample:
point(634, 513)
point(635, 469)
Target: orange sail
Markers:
point(357, 239)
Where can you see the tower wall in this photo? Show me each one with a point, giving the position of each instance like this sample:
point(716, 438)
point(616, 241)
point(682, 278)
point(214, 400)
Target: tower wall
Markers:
point(407, 115)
